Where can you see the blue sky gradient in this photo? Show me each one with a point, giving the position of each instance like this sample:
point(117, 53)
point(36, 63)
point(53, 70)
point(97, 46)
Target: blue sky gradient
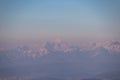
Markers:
point(80, 19)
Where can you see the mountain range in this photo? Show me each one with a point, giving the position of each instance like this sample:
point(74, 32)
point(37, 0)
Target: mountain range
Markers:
point(58, 60)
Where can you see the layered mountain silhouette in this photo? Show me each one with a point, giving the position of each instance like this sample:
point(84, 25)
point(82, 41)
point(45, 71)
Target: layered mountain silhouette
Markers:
point(57, 60)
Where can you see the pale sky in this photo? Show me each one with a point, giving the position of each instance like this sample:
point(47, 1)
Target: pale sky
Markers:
point(80, 19)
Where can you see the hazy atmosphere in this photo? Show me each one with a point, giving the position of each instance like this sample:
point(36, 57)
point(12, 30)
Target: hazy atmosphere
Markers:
point(59, 39)
point(35, 19)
